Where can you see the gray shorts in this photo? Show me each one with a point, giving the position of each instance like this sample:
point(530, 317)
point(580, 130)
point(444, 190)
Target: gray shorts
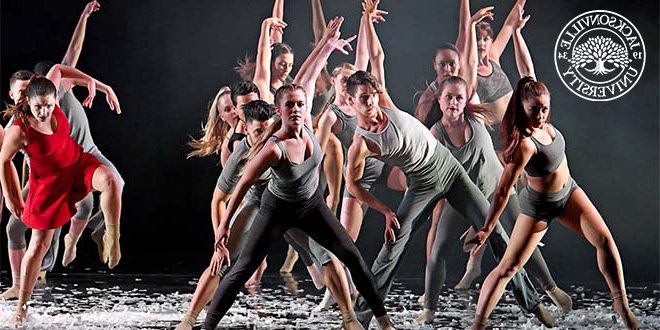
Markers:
point(546, 206)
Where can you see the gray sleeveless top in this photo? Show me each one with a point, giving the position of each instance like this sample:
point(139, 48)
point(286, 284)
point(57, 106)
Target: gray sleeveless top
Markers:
point(296, 182)
point(435, 113)
point(493, 86)
point(348, 125)
point(405, 142)
point(75, 113)
point(548, 157)
point(231, 174)
point(477, 155)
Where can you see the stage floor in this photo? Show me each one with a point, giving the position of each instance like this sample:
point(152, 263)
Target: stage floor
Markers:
point(106, 301)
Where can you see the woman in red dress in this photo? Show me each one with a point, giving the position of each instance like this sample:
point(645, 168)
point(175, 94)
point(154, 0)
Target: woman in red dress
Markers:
point(60, 174)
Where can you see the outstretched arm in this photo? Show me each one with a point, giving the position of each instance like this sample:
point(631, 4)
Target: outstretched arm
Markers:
point(523, 57)
point(502, 39)
point(262, 70)
point(318, 21)
point(463, 27)
point(15, 139)
point(59, 71)
point(75, 46)
point(278, 12)
point(317, 59)
point(110, 96)
point(376, 53)
point(470, 58)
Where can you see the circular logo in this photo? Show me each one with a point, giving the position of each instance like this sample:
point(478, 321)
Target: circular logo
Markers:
point(600, 55)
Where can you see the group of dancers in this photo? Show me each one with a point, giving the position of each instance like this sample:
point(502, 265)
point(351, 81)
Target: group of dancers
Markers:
point(284, 142)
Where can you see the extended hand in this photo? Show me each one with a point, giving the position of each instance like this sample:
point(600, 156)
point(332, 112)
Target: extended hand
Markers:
point(520, 21)
point(91, 7)
point(479, 239)
point(483, 13)
point(275, 23)
point(390, 220)
point(91, 89)
point(15, 207)
point(111, 98)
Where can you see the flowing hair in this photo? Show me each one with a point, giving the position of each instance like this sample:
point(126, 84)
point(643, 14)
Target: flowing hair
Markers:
point(277, 124)
point(213, 131)
point(38, 86)
point(470, 109)
point(246, 67)
point(514, 124)
point(335, 72)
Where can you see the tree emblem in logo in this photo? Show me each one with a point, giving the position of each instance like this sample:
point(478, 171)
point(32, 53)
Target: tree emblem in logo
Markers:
point(600, 55)
point(599, 50)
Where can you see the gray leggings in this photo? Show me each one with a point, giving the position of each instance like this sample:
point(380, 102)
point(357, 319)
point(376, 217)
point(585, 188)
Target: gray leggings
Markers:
point(97, 222)
point(16, 231)
point(450, 227)
point(444, 177)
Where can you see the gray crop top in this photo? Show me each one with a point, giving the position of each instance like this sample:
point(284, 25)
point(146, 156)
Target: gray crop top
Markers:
point(548, 157)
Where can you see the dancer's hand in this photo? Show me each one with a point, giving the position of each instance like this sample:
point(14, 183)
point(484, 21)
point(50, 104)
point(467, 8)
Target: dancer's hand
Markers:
point(331, 36)
point(91, 89)
point(91, 7)
point(390, 219)
point(218, 260)
point(275, 23)
point(520, 21)
point(478, 240)
point(15, 206)
point(370, 10)
point(112, 100)
point(483, 13)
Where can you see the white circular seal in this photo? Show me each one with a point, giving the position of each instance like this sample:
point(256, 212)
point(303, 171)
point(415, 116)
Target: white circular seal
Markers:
point(600, 55)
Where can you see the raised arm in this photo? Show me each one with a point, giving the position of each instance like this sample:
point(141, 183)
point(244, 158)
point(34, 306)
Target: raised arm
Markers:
point(362, 50)
point(510, 175)
point(15, 139)
point(318, 21)
point(317, 59)
point(463, 26)
point(523, 57)
point(470, 57)
point(262, 70)
point(59, 71)
point(75, 46)
point(502, 39)
point(376, 53)
point(278, 12)
point(110, 96)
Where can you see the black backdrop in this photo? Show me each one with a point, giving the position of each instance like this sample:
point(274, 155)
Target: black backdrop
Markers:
point(166, 59)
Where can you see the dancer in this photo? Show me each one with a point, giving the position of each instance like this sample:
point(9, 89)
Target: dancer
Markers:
point(292, 198)
point(433, 173)
point(64, 177)
point(537, 147)
point(219, 129)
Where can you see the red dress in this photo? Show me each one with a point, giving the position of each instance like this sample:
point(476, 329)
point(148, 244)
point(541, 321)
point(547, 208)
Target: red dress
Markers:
point(60, 174)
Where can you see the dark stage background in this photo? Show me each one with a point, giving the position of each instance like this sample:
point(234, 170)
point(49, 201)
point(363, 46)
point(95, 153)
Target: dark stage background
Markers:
point(166, 59)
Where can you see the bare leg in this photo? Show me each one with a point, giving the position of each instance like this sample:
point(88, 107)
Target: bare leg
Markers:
point(352, 213)
point(335, 279)
point(15, 258)
point(472, 270)
point(71, 239)
point(39, 244)
point(526, 234)
point(290, 261)
point(396, 180)
point(203, 293)
point(255, 279)
point(581, 216)
point(105, 181)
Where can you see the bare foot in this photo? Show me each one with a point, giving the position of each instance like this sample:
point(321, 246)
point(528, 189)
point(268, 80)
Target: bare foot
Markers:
point(69, 250)
point(352, 325)
point(18, 318)
point(290, 261)
point(10, 294)
point(561, 299)
point(426, 317)
point(384, 323)
point(111, 250)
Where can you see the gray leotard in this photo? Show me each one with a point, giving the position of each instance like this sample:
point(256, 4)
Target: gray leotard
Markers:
point(477, 155)
point(548, 157)
point(405, 142)
point(296, 182)
point(493, 86)
point(231, 173)
point(348, 125)
point(74, 111)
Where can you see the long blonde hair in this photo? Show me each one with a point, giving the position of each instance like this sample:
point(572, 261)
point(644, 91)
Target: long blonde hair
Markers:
point(213, 131)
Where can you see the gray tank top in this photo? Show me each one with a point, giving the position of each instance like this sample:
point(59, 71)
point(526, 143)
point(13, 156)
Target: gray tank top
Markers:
point(231, 174)
point(348, 125)
point(296, 182)
point(435, 113)
point(492, 87)
point(405, 142)
point(77, 117)
point(548, 157)
point(477, 155)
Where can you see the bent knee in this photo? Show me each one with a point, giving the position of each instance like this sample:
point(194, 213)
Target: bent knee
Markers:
point(508, 268)
point(106, 180)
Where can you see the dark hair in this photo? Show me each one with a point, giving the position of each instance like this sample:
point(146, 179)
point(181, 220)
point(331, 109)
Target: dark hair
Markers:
point(469, 108)
point(246, 66)
point(258, 110)
point(279, 95)
point(213, 131)
point(43, 67)
point(485, 27)
point(278, 49)
point(361, 78)
point(20, 75)
point(38, 86)
point(447, 46)
point(242, 88)
point(514, 124)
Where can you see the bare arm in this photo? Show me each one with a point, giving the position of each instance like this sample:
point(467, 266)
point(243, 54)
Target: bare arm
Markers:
point(218, 207)
point(376, 53)
point(110, 96)
point(424, 104)
point(523, 57)
point(278, 12)
point(318, 21)
point(463, 26)
point(502, 39)
point(470, 58)
point(75, 46)
point(333, 162)
point(59, 71)
point(262, 70)
point(15, 139)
